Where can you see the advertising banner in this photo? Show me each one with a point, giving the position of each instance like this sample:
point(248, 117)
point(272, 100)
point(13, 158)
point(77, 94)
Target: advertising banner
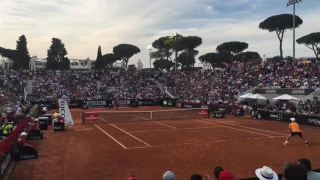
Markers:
point(97, 104)
point(92, 116)
point(285, 91)
point(203, 112)
point(146, 102)
point(123, 102)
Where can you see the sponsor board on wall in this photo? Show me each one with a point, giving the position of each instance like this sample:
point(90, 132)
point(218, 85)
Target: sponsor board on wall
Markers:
point(96, 104)
point(122, 102)
point(203, 112)
point(92, 116)
point(146, 102)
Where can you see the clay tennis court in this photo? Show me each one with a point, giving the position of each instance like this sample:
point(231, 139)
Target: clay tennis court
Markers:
point(147, 149)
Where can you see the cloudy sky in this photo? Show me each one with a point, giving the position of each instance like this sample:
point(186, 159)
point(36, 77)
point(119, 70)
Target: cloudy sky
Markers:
point(83, 25)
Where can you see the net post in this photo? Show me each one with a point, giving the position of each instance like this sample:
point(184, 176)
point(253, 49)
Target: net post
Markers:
point(150, 115)
point(83, 118)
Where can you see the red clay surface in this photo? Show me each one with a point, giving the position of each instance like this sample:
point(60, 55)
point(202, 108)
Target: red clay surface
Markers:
point(150, 148)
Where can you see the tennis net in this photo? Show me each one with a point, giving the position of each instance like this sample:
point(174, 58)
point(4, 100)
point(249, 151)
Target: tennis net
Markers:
point(132, 116)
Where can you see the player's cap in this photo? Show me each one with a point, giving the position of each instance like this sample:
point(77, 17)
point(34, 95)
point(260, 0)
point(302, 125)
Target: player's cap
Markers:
point(266, 173)
point(168, 176)
point(225, 175)
point(292, 119)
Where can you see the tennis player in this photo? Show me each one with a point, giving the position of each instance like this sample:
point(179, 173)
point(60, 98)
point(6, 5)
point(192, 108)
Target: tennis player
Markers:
point(117, 105)
point(294, 130)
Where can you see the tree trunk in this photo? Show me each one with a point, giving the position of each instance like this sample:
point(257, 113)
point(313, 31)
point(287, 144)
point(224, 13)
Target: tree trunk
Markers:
point(280, 47)
point(187, 67)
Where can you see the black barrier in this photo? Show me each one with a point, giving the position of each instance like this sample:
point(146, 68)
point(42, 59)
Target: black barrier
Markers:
point(285, 117)
point(167, 102)
point(102, 103)
point(211, 107)
point(146, 102)
point(5, 164)
point(75, 104)
point(97, 103)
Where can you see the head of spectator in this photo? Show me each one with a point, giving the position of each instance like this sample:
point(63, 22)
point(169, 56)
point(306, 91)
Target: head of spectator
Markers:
point(168, 176)
point(133, 177)
point(266, 173)
point(295, 172)
point(196, 177)
point(217, 170)
point(225, 175)
point(307, 165)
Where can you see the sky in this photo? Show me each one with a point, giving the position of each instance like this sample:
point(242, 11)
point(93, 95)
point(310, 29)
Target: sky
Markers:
point(83, 25)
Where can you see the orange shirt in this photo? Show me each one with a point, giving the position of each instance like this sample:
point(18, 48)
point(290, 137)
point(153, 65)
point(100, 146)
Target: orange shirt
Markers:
point(294, 127)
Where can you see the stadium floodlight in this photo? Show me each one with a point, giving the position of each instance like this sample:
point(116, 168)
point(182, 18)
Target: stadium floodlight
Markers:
point(149, 48)
point(176, 53)
point(294, 2)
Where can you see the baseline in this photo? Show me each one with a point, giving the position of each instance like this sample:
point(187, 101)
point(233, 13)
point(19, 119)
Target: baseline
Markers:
point(164, 125)
point(206, 143)
point(252, 128)
point(176, 129)
point(235, 128)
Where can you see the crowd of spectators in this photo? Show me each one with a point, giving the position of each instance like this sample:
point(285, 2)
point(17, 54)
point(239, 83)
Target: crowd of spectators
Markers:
point(51, 85)
point(12, 84)
point(220, 85)
point(125, 85)
point(301, 170)
point(307, 107)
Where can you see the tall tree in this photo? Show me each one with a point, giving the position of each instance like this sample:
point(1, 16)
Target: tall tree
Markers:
point(8, 53)
point(125, 52)
point(132, 68)
point(232, 49)
point(188, 45)
point(109, 59)
point(312, 42)
point(162, 64)
point(56, 58)
point(22, 59)
point(164, 46)
point(279, 24)
point(186, 64)
point(99, 64)
point(248, 55)
point(214, 59)
point(277, 58)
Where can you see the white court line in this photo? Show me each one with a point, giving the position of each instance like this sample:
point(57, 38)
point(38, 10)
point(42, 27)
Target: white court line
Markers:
point(142, 117)
point(111, 137)
point(103, 119)
point(208, 127)
point(209, 143)
point(130, 135)
point(156, 122)
point(237, 129)
point(253, 128)
point(165, 125)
